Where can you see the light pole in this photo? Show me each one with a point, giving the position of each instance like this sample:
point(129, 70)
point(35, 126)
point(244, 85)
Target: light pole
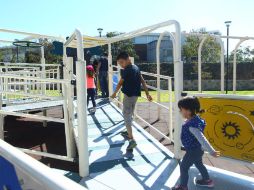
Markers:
point(100, 31)
point(227, 23)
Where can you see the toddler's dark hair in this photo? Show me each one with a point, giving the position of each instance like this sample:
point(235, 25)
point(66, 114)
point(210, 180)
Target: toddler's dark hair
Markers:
point(123, 55)
point(190, 103)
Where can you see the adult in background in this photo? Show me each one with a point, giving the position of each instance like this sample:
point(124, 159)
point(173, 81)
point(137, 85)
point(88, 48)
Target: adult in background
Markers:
point(102, 71)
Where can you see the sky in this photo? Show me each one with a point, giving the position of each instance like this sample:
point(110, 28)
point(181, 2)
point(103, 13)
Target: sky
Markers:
point(61, 17)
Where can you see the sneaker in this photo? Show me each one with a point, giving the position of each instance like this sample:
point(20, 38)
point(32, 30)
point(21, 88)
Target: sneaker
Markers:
point(94, 109)
point(180, 188)
point(204, 183)
point(125, 134)
point(132, 144)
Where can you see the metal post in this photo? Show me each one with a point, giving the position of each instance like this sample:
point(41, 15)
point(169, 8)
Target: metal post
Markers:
point(234, 63)
point(68, 109)
point(227, 68)
point(43, 62)
point(200, 64)
point(44, 114)
point(110, 70)
point(178, 88)
point(227, 61)
point(82, 108)
point(158, 74)
point(170, 120)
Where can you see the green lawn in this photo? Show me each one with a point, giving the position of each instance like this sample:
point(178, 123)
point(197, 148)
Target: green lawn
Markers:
point(165, 95)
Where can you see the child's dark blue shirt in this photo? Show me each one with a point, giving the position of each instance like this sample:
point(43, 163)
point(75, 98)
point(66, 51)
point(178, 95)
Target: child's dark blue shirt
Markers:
point(189, 141)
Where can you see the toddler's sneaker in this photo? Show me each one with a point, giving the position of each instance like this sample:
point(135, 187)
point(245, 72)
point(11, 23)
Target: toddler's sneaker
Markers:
point(132, 144)
point(180, 188)
point(204, 183)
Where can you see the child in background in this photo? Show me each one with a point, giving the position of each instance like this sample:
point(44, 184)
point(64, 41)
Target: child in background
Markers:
point(194, 142)
point(91, 88)
point(130, 83)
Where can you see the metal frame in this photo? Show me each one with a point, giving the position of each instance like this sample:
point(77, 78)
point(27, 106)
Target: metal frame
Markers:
point(81, 102)
point(37, 171)
point(200, 61)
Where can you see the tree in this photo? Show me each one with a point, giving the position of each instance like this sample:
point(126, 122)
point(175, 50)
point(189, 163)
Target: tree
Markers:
point(48, 47)
point(210, 51)
point(243, 54)
point(117, 47)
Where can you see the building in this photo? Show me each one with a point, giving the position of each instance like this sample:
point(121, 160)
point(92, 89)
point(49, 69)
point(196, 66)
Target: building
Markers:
point(145, 47)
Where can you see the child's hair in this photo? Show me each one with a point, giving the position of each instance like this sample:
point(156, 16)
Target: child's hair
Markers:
point(190, 103)
point(105, 54)
point(123, 55)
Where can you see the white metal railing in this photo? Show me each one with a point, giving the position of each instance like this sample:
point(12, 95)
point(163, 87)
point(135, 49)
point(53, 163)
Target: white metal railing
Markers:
point(159, 104)
point(40, 174)
point(18, 85)
point(25, 93)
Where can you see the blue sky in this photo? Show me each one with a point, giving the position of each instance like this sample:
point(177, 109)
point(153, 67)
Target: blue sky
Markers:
point(61, 17)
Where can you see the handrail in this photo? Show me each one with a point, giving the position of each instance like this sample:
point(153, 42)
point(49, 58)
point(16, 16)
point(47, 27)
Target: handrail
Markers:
point(62, 81)
point(224, 96)
point(36, 170)
point(156, 75)
point(30, 64)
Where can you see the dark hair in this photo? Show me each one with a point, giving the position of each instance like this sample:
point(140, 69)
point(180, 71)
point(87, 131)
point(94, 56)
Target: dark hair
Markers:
point(90, 73)
point(123, 55)
point(105, 54)
point(190, 103)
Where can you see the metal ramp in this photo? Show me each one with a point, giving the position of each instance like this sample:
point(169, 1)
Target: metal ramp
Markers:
point(150, 167)
point(34, 106)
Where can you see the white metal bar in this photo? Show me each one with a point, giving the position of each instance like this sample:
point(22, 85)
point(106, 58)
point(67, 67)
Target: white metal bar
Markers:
point(68, 109)
point(200, 61)
point(110, 69)
point(178, 88)
point(63, 81)
point(82, 108)
point(158, 64)
point(28, 64)
point(30, 95)
point(36, 35)
point(36, 170)
point(224, 96)
point(155, 75)
point(170, 121)
point(234, 63)
point(32, 116)
point(45, 154)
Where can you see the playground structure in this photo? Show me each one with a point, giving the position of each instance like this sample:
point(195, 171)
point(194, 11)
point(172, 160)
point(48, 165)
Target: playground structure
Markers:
point(31, 84)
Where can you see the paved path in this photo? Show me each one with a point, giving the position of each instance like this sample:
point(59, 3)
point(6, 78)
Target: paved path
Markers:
point(149, 167)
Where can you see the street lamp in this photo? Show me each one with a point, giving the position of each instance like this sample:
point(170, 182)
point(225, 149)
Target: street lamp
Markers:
point(227, 23)
point(100, 30)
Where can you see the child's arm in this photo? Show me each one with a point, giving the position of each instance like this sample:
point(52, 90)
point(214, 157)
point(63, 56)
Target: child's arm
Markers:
point(118, 87)
point(146, 89)
point(204, 142)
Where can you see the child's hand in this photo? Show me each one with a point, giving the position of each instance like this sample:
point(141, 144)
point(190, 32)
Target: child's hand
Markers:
point(149, 97)
point(216, 154)
point(113, 96)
